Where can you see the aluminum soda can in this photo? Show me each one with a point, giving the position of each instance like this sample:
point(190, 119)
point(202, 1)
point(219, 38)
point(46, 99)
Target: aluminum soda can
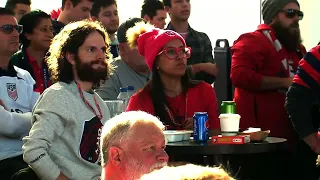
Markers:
point(228, 107)
point(200, 127)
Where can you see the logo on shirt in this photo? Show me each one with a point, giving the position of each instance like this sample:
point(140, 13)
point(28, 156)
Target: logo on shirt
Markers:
point(89, 147)
point(12, 91)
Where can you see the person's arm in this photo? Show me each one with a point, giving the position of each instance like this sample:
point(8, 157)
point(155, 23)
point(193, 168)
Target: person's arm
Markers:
point(109, 90)
point(246, 61)
point(302, 101)
point(207, 69)
point(141, 101)
point(303, 108)
point(34, 98)
point(135, 104)
point(14, 125)
point(32, 92)
point(49, 118)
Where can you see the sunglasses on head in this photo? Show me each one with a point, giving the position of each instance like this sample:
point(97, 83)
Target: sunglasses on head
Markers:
point(291, 13)
point(173, 53)
point(8, 28)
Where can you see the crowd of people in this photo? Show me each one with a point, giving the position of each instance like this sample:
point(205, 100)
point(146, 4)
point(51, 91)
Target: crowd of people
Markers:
point(56, 71)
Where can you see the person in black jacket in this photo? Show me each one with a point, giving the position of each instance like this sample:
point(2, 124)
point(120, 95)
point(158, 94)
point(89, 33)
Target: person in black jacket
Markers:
point(35, 40)
point(302, 104)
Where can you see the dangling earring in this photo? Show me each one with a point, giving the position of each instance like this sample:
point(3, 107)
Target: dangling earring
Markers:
point(158, 68)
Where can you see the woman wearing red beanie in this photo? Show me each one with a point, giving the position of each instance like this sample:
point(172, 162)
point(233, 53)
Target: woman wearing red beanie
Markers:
point(170, 94)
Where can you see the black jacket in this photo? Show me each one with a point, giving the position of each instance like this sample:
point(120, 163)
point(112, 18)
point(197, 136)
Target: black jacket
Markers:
point(303, 106)
point(57, 26)
point(21, 60)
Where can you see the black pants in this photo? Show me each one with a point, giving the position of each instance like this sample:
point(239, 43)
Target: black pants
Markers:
point(9, 167)
point(303, 164)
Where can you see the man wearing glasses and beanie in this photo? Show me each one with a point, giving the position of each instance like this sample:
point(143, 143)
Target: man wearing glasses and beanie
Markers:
point(16, 98)
point(263, 65)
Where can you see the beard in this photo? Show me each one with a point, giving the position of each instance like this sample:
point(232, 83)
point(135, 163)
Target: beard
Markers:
point(86, 72)
point(135, 169)
point(290, 39)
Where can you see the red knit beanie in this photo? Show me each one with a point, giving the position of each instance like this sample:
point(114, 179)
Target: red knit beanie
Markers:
point(151, 43)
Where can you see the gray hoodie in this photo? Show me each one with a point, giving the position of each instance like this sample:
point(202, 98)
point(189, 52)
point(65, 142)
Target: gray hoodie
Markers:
point(65, 134)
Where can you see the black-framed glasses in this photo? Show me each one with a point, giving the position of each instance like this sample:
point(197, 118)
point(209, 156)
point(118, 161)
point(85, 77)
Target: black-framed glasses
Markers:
point(8, 28)
point(291, 13)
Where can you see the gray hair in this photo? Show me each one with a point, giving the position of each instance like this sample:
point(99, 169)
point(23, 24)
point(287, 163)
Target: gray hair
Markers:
point(117, 130)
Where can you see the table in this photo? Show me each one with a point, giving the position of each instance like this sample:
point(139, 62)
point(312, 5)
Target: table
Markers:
point(220, 154)
point(271, 144)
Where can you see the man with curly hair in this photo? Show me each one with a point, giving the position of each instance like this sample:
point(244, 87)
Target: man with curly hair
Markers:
point(67, 119)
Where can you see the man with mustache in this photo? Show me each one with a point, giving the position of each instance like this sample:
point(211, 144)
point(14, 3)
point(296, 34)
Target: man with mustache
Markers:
point(67, 120)
point(106, 11)
point(131, 69)
point(264, 63)
point(132, 144)
point(16, 98)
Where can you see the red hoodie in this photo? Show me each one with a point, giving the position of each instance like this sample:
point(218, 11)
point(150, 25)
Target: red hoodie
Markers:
point(254, 56)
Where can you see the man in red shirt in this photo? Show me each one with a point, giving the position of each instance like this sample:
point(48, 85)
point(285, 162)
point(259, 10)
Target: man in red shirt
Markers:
point(263, 65)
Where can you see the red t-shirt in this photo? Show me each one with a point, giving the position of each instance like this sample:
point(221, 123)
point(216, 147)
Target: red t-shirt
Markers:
point(200, 98)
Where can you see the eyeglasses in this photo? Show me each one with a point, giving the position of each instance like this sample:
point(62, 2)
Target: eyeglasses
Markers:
point(8, 28)
point(291, 13)
point(173, 53)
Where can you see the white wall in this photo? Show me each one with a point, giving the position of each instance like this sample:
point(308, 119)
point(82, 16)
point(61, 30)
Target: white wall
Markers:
point(220, 19)
point(310, 25)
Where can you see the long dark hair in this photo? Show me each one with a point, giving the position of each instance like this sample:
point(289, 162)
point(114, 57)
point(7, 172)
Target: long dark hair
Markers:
point(158, 96)
point(70, 38)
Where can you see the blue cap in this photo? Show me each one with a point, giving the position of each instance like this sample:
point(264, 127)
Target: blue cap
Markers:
point(123, 89)
point(130, 88)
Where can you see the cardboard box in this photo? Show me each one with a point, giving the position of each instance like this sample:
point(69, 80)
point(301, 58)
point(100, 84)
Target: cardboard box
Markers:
point(240, 139)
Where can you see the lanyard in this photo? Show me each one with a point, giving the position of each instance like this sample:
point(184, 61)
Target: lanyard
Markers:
point(88, 104)
point(45, 76)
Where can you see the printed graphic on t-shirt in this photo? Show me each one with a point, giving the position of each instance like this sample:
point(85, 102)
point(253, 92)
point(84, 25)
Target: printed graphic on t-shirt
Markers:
point(89, 147)
point(12, 91)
